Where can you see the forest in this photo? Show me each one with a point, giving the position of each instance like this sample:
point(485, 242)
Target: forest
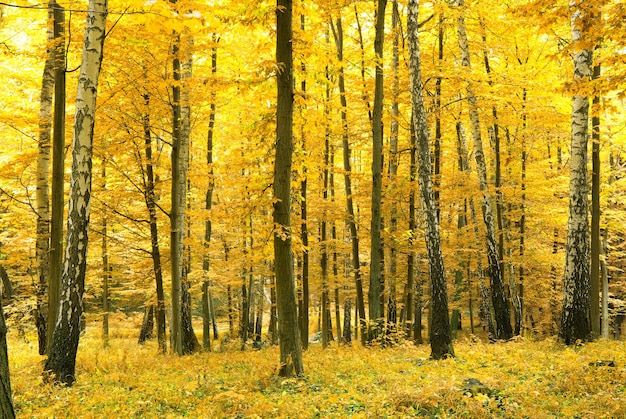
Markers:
point(346, 208)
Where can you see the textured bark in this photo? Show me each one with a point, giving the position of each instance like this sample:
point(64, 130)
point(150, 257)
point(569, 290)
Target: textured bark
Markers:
point(150, 198)
point(440, 338)
point(42, 243)
point(411, 256)
point(374, 292)
point(58, 171)
point(354, 238)
point(498, 295)
point(6, 399)
point(290, 347)
point(576, 314)
point(61, 363)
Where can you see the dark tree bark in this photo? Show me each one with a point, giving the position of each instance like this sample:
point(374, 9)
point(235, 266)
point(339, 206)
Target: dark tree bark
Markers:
point(440, 339)
point(61, 363)
point(151, 204)
point(106, 267)
point(58, 172)
point(374, 292)
point(6, 400)
point(595, 211)
point(290, 347)
point(147, 325)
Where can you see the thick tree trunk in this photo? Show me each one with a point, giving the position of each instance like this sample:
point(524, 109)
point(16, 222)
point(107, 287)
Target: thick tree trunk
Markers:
point(374, 292)
point(354, 238)
point(290, 345)
point(150, 198)
point(58, 172)
point(576, 314)
point(498, 295)
point(440, 339)
point(61, 363)
point(42, 243)
point(6, 399)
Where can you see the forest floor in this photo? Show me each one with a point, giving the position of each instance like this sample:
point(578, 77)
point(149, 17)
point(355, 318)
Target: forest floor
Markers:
point(521, 379)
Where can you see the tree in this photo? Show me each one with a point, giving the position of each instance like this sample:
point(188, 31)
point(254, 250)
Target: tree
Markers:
point(498, 295)
point(576, 314)
point(42, 245)
point(58, 171)
point(61, 363)
point(440, 337)
point(290, 348)
point(6, 400)
point(374, 292)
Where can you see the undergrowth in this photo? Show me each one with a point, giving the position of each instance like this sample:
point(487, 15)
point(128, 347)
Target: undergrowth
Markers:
point(524, 379)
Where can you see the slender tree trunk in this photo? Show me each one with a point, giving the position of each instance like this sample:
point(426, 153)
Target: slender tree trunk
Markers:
point(106, 268)
point(61, 363)
point(354, 238)
point(374, 293)
point(208, 205)
point(498, 295)
point(304, 234)
point(440, 339)
point(42, 244)
point(323, 237)
point(272, 327)
point(58, 172)
point(605, 289)
point(290, 345)
point(147, 325)
point(6, 399)
point(576, 314)
point(150, 198)
point(411, 256)
point(595, 211)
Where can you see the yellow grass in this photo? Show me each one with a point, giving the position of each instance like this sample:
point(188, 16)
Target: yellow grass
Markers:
point(526, 379)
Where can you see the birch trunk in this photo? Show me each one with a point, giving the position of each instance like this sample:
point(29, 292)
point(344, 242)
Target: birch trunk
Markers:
point(61, 363)
point(42, 244)
point(440, 337)
point(498, 295)
point(576, 313)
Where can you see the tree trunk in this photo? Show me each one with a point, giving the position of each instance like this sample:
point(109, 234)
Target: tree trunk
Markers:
point(58, 172)
point(290, 345)
point(147, 325)
point(190, 340)
point(150, 198)
point(440, 339)
point(576, 313)
point(61, 363)
point(6, 399)
point(6, 282)
point(208, 205)
point(354, 238)
point(595, 211)
point(272, 327)
point(42, 244)
point(106, 268)
point(498, 295)
point(374, 293)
